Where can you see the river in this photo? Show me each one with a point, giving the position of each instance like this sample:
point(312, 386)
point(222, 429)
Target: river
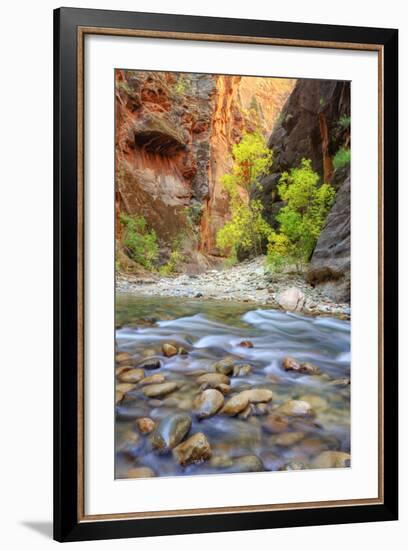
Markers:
point(208, 332)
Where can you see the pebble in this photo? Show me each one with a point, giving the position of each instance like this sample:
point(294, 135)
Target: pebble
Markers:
point(225, 366)
point(242, 370)
point(258, 395)
point(213, 379)
point(145, 425)
point(132, 375)
point(195, 449)
point(288, 439)
point(235, 405)
point(294, 407)
point(140, 472)
point(275, 423)
point(153, 379)
point(171, 431)
point(159, 390)
point(169, 350)
point(208, 403)
point(332, 459)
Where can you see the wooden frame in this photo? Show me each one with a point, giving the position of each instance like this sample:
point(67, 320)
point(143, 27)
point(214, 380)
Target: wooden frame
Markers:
point(71, 26)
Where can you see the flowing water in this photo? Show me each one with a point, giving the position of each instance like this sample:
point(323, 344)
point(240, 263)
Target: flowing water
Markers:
point(210, 331)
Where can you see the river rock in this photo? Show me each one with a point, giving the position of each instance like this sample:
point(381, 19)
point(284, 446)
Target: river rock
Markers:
point(258, 395)
point(159, 390)
point(223, 388)
point(208, 403)
point(120, 370)
point(294, 407)
point(272, 462)
point(291, 299)
point(275, 423)
point(125, 387)
point(141, 471)
point(221, 461)
point(171, 431)
point(213, 379)
point(145, 425)
point(195, 449)
point(169, 350)
point(315, 401)
point(123, 358)
point(235, 405)
point(225, 366)
point(243, 464)
point(132, 375)
point(150, 364)
point(242, 370)
point(157, 378)
point(118, 396)
point(290, 364)
point(288, 439)
point(148, 352)
point(332, 459)
point(246, 344)
point(261, 409)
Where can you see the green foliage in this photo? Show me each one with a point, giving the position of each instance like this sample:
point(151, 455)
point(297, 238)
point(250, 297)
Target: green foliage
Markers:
point(344, 121)
point(251, 159)
point(140, 243)
point(194, 213)
point(247, 229)
point(341, 158)
point(301, 219)
point(180, 86)
point(175, 259)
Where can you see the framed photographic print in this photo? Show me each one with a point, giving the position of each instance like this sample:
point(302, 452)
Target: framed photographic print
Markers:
point(225, 274)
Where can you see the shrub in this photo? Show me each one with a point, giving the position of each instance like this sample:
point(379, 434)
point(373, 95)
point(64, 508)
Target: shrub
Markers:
point(344, 121)
point(247, 229)
point(175, 259)
point(141, 244)
point(301, 219)
point(341, 158)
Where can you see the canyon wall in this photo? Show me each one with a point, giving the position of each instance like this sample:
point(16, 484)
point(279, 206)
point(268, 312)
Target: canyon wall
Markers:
point(310, 126)
point(174, 135)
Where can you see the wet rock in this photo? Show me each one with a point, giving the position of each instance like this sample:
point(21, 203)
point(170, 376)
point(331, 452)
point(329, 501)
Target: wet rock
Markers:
point(235, 405)
point(294, 407)
point(225, 366)
point(171, 431)
point(332, 459)
point(148, 352)
point(128, 442)
point(290, 364)
point(243, 464)
point(246, 344)
point(120, 370)
point(213, 379)
point(261, 409)
point(194, 450)
point(118, 396)
point(159, 390)
point(208, 403)
point(140, 472)
point(221, 461)
point(153, 379)
point(258, 395)
point(132, 375)
point(123, 358)
point(223, 388)
point(145, 425)
point(182, 351)
point(242, 370)
point(288, 439)
point(299, 464)
point(272, 462)
point(340, 382)
point(291, 299)
point(247, 412)
point(150, 364)
point(169, 350)
point(125, 387)
point(275, 423)
point(315, 401)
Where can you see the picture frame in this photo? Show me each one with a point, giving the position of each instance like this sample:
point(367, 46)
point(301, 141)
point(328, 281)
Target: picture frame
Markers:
point(71, 26)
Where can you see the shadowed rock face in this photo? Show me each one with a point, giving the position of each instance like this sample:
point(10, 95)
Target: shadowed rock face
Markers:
point(330, 264)
point(309, 127)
